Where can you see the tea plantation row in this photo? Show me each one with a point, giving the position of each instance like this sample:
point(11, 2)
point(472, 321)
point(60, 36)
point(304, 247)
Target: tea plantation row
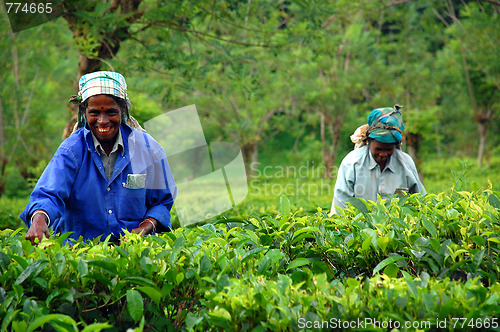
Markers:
point(410, 263)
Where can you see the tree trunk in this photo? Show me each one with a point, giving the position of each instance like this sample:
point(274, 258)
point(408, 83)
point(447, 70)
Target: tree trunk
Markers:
point(325, 154)
point(335, 127)
point(412, 142)
point(483, 118)
point(330, 151)
point(482, 127)
point(250, 157)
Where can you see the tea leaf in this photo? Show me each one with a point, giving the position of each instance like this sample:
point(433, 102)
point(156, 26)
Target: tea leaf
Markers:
point(39, 322)
point(32, 269)
point(429, 226)
point(205, 264)
point(494, 201)
point(387, 261)
point(83, 268)
point(192, 320)
point(108, 265)
point(284, 209)
point(391, 270)
point(7, 319)
point(298, 262)
point(4, 261)
point(135, 304)
point(153, 293)
point(97, 327)
point(358, 204)
point(252, 253)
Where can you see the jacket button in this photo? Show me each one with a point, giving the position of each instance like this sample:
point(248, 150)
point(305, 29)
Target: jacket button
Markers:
point(108, 188)
point(110, 211)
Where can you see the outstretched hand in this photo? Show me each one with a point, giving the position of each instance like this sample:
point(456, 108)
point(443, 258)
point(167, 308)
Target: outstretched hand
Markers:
point(38, 229)
point(145, 227)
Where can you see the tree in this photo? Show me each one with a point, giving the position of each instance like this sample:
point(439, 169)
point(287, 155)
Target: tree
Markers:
point(32, 80)
point(101, 27)
point(233, 73)
point(474, 44)
point(339, 67)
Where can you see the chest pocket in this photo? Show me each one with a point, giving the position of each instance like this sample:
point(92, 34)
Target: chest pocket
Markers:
point(132, 204)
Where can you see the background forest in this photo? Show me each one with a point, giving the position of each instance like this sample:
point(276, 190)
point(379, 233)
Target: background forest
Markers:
point(288, 81)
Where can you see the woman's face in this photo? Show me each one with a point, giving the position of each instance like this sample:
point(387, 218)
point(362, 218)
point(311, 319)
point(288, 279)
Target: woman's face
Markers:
point(104, 117)
point(381, 152)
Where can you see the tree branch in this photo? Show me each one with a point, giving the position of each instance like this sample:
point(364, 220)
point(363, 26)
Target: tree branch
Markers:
point(28, 104)
point(229, 22)
point(204, 34)
point(398, 2)
point(234, 106)
point(494, 2)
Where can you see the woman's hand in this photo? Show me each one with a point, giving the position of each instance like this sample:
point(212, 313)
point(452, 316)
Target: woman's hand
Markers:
point(147, 226)
point(39, 227)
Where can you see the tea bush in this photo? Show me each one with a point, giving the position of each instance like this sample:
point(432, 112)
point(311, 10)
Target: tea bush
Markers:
point(409, 261)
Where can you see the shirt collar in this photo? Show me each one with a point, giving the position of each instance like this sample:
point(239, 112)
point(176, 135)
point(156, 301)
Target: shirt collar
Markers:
point(117, 147)
point(390, 165)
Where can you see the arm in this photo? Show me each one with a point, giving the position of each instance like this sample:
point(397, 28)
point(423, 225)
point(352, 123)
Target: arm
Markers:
point(160, 191)
point(344, 187)
point(416, 186)
point(39, 227)
point(160, 201)
point(48, 198)
point(147, 226)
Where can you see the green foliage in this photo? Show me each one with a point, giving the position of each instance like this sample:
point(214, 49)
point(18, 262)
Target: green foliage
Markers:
point(408, 259)
point(464, 174)
point(10, 208)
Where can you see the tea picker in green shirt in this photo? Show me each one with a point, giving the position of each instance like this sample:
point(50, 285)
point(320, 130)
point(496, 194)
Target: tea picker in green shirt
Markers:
point(376, 166)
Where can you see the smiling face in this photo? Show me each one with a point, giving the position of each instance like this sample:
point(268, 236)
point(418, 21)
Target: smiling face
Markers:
point(381, 152)
point(104, 117)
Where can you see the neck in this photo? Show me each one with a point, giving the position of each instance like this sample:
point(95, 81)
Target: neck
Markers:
point(108, 146)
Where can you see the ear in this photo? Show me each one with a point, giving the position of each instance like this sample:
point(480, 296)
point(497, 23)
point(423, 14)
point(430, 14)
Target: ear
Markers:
point(124, 115)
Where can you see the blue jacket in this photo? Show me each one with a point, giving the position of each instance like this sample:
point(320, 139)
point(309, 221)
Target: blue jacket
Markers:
point(79, 198)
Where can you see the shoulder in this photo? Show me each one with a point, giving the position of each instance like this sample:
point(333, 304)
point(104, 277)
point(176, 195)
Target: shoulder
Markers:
point(404, 158)
point(74, 145)
point(355, 156)
point(142, 139)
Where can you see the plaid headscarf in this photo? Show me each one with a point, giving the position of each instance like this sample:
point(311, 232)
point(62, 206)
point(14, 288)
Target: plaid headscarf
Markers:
point(386, 124)
point(101, 83)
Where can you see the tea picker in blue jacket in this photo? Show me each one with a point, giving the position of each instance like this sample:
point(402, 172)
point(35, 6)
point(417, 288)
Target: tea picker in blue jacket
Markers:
point(376, 166)
point(106, 177)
